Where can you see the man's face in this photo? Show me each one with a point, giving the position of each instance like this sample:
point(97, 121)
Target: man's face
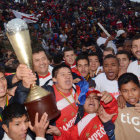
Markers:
point(69, 57)
point(93, 62)
point(3, 85)
point(130, 92)
point(105, 53)
point(63, 79)
point(83, 67)
point(127, 45)
point(136, 48)
point(123, 61)
point(111, 68)
point(91, 104)
point(17, 129)
point(40, 63)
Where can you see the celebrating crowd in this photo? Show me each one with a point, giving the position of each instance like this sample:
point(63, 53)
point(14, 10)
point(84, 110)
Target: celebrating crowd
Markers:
point(93, 76)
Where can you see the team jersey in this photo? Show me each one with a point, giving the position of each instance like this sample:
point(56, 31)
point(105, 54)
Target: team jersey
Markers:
point(68, 111)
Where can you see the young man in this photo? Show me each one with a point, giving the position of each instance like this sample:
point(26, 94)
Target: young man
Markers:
point(127, 126)
point(89, 126)
point(94, 64)
point(18, 96)
point(16, 123)
point(124, 60)
point(69, 57)
point(82, 65)
point(134, 67)
point(108, 51)
point(107, 81)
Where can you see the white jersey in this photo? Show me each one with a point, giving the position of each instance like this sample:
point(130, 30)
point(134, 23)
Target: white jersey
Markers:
point(45, 80)
point(134, 68)
point(103, 84)
point(6, 137)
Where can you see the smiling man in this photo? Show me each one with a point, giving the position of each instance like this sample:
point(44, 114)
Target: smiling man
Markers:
point(69, 57)
point(107, 81)
point(124, 60)
point(41, 66)
point(82, 65)
point(134, 67)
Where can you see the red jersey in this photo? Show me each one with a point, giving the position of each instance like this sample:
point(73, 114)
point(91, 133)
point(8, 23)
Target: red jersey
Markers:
point(68, 111)
point(88, 128)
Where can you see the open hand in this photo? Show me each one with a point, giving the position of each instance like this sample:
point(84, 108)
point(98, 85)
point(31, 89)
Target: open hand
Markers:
point(40, 126)
point(105, 117)
point(105, 97)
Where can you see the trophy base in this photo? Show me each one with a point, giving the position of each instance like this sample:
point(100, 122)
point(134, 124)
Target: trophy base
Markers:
point(45, 104)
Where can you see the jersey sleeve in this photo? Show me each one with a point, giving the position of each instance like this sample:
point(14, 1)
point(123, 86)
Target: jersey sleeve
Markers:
point(71, 134)
point(111, 108)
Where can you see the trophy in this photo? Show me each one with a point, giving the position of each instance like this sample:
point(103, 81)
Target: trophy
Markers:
point(38, 100)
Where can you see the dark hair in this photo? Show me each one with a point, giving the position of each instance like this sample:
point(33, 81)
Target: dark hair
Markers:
point(38, 49)
point(128, 77)
point(66, 49)
point(109, 49)
point(100, 32)
point(82, 57)
point(12, 111)
point(136, 37)
point(111, 56)
point(93, 54)
point(124, 52)
point(56, 69)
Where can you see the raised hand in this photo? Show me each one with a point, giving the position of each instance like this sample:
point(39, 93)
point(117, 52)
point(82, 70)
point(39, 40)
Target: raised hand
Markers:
point(27, 81)
point(21, 71)
point(105, 117)
point(121, 101)
point(40, 126)
point(105, 97)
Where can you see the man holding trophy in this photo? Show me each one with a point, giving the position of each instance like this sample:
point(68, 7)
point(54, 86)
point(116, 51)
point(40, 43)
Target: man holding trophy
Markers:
point(41, 100)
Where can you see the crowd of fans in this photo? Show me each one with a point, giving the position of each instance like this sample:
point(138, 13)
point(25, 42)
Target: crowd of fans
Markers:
point(72, 24)
point(77, 61)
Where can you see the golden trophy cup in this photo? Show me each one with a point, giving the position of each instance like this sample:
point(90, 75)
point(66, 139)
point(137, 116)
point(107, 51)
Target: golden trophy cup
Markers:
point(38, 100)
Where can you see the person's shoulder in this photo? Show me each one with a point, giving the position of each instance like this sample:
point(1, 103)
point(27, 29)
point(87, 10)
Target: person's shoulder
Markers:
point(99, 37)
point(100, 78)
point(132, 64)
point(5, 137)
point(101, 75)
